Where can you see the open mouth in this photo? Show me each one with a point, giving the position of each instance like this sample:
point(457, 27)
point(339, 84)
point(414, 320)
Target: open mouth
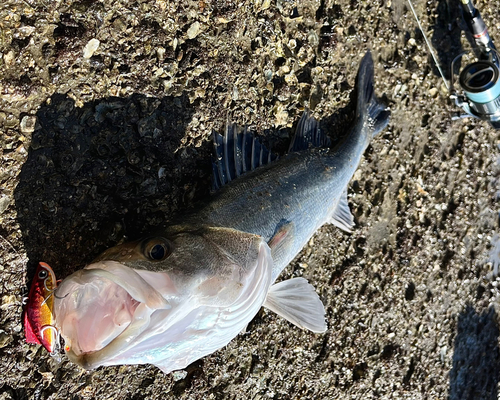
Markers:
point(102, 309)
point(110, 314)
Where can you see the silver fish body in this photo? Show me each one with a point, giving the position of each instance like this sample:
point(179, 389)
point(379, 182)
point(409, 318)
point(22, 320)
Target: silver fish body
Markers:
point(172, 299)
point(305, 189)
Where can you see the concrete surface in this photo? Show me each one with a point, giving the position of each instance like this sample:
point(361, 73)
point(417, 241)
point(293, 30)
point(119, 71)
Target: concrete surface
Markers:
point(106, 109)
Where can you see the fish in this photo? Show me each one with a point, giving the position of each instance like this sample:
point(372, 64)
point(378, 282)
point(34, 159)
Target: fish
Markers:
point(38, 316)
point(181, 294)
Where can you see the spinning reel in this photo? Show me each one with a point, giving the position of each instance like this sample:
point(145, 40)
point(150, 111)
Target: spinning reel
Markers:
point(479, 79)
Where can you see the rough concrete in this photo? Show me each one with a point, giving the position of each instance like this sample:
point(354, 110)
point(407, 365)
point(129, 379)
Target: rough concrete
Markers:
point(106, 109)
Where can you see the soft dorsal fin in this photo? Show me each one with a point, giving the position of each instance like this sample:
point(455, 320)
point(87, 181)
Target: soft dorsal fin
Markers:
point(236, 153)
point(308, 134)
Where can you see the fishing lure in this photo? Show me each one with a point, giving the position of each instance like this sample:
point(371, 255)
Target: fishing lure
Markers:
point(38, 317)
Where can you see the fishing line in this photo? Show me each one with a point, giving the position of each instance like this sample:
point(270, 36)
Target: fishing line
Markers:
point(429, 45)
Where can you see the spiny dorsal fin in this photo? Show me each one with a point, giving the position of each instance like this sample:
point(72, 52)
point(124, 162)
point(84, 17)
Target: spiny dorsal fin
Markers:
point(236, 153)
point(308, 134)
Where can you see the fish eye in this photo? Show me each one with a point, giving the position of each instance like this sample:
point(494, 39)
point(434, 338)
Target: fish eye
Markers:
point(43, 274)
point(157, 249)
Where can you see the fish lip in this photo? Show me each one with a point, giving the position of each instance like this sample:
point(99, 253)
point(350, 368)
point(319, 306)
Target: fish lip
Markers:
point(80, 360)
point(150, 296)
point(84, 360)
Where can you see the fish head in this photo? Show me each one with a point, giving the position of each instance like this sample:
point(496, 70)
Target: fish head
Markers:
point(38, 316)
point(166, 300)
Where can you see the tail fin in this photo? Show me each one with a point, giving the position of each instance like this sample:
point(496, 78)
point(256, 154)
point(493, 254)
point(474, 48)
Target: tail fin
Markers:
point(368, 107)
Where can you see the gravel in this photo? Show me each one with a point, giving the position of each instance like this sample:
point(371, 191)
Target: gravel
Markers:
point(106, 111)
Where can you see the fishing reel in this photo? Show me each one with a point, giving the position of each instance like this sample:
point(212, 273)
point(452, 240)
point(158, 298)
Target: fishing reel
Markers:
point(479, 79)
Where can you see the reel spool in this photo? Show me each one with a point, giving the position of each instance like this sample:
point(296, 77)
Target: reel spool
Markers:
point(480, 83)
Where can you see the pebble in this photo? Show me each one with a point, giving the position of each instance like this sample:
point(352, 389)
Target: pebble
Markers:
point(179, 375)
point(160, 52)
point(268, 74)
point(397, 88)
point(9, 58)
point(25, 31)
point(5, 339)
point(313, 38)
point(4, 202)
point(28, 124)
point(193, 30)
point(291, 79)
point(8, 300)
point(90, 48)
point(281, 116)
point(442, 353)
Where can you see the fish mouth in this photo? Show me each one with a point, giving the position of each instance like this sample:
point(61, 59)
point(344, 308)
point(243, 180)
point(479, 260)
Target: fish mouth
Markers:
point(101, 309)
point(111, 314)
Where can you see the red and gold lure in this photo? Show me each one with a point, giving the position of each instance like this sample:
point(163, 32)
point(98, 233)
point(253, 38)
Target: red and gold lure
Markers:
point(38, 318)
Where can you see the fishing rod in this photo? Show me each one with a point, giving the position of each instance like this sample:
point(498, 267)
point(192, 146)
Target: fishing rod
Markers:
point(479, 80)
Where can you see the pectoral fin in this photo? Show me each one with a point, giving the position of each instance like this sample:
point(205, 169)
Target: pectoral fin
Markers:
point(282, 240)
point(296, 301)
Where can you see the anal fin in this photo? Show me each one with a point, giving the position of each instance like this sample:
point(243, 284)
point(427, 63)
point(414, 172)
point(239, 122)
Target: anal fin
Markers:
point(296, 301)
point(342, 216)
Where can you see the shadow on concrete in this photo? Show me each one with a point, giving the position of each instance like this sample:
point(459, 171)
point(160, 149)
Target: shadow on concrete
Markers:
point(111, 168)
point(115, 169)
point(446, 35)
point(476, 358)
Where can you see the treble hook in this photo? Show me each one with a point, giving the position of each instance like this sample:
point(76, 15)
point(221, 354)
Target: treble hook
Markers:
point(58, 336)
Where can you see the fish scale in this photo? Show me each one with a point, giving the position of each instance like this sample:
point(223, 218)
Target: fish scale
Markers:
point(303, 188)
